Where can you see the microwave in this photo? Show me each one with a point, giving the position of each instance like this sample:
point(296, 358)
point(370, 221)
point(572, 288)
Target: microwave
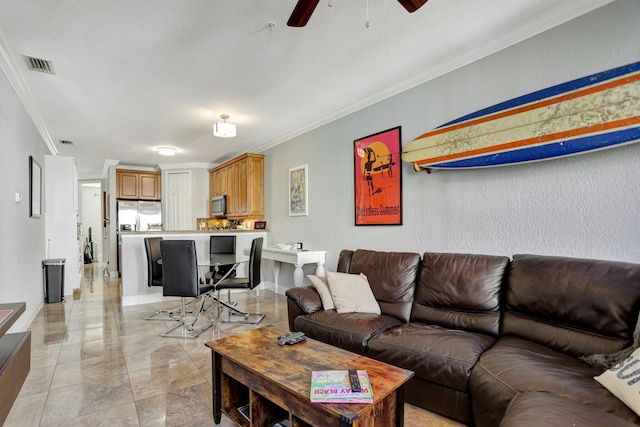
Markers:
point(219, 206)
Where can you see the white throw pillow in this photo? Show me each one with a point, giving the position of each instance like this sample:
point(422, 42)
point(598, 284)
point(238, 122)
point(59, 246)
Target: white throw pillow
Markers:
point(352, 293)
point(321, 285)
point(623, 380)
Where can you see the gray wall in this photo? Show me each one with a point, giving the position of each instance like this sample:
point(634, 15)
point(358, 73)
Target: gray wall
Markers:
point(584, 206)
point(22, 239)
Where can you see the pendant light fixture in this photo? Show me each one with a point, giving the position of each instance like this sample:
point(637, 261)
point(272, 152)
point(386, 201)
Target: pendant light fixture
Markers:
point(223, 129)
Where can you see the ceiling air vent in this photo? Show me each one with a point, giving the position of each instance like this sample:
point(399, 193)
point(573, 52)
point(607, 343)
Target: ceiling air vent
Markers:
point(64, 142)
point(37, 64)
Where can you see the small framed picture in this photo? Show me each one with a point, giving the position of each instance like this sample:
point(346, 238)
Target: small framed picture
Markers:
point(260, 225)
point(299, 191)
point(35, 188)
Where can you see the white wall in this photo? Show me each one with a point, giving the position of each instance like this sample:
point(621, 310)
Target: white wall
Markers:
point(585, 206)
point(22, 239)
point(61, 219)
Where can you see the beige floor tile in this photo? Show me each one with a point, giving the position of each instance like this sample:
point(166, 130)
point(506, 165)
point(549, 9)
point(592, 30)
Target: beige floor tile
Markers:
point(86, 398)
point(163, 353)
point(96, 368)
point(190, 406)
point(26, 410)
point(88, 350)
point(118, 416)
point(43, 355)
point(162, 379)
point(38, 380)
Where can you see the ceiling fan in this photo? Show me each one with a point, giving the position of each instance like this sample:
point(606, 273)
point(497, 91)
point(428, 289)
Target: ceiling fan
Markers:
point(304, 8)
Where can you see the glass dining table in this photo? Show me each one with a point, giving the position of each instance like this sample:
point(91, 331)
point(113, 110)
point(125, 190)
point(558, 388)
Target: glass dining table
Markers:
point(219, 260)
point(222, 260)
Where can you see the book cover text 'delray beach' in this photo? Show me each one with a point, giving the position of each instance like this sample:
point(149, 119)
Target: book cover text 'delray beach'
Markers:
point(334, 387)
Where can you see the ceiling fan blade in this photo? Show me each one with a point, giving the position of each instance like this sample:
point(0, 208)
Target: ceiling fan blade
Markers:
point(412, 5)
point(302, 12)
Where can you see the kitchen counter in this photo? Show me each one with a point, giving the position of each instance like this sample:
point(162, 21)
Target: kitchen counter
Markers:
point(124, 232)
point(134, 258)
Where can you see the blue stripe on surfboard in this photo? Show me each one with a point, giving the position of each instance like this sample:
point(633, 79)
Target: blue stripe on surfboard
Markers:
point(541, 152)
point(551, 91)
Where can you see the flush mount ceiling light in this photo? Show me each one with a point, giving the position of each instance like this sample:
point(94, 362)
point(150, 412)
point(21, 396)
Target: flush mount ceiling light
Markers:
point(166, 151)
point(223, 129)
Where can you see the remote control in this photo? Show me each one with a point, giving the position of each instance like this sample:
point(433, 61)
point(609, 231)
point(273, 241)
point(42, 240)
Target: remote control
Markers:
point(355, 381)
point(290, 335)
point(296, 340)
point(291, 338)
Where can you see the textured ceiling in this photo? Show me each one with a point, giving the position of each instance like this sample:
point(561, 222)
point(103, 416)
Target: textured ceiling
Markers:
point(132, 75)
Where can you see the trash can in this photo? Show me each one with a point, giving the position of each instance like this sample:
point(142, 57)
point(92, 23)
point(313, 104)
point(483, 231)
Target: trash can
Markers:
point(53, 276)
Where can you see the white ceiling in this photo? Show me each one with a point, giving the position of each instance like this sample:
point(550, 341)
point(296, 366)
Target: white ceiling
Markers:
point(132, 75)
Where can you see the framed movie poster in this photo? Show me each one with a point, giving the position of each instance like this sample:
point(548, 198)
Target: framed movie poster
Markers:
point(378, 178)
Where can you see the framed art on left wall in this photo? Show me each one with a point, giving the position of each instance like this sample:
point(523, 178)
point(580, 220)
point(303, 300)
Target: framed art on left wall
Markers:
point(35, 188)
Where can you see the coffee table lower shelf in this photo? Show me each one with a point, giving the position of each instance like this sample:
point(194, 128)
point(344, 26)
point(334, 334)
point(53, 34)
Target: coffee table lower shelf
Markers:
point(236, 397)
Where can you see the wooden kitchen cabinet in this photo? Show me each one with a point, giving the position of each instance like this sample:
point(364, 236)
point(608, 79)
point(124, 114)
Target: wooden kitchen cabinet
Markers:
point(137, 185)
point(242, 181)
point(219, 182)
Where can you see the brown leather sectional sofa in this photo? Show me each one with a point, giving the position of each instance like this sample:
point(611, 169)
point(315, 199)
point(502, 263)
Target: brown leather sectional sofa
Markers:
point(491, 340)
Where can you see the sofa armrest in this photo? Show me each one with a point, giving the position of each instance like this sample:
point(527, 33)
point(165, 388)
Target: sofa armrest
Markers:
point(302, 300)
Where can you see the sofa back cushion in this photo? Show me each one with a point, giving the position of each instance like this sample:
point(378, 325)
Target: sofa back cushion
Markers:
point(460, 291)
point(577, 306)
point(392, 276)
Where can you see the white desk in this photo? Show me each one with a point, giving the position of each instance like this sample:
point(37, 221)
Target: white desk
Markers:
point(297, 258)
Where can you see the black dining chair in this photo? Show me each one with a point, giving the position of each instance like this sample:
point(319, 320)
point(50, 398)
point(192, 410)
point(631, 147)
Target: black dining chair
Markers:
point(180, 279)
point(236, 315)
point(222, 245)
point(154, 275)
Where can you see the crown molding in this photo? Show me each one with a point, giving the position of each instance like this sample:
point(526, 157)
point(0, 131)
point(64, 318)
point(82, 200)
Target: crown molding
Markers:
point(137, 168)
point(106, 165)
point(12, 71)
point(187, 165)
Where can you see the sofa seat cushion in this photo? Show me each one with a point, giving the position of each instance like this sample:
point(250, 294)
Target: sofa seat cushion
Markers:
point(515, 365)
point(436, 354)
point(350, 331)
point(536, 409)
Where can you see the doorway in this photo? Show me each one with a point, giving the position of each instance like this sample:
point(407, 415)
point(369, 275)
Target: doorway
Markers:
point(91, 220)
point(179, 201)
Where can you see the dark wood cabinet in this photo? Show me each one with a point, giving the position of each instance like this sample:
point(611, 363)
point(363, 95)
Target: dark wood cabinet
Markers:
point(15, 357)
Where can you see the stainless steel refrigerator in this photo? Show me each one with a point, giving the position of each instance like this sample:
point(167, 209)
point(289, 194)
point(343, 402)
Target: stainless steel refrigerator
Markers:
point(137, 215)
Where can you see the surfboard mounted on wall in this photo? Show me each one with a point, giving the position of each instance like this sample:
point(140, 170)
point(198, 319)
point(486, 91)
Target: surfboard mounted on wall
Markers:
point(591, 113)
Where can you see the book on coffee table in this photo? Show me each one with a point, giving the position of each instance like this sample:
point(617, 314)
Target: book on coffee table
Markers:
point(334, 387)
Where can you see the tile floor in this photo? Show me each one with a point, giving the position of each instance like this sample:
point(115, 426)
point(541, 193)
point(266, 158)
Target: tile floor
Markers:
point(94, 362)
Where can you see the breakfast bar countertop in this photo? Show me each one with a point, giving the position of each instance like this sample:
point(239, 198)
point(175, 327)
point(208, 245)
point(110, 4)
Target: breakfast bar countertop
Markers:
point(229, 230)
point(135, 289)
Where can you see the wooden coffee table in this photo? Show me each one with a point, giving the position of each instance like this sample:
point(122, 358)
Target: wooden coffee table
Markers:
point(250, 368)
